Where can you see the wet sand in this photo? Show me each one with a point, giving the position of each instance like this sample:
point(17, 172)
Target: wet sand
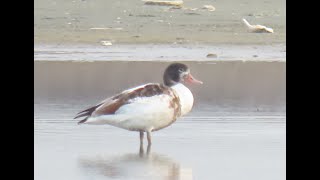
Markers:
point(133, 22)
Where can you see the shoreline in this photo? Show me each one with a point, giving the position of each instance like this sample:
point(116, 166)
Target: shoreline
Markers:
point(160, 52)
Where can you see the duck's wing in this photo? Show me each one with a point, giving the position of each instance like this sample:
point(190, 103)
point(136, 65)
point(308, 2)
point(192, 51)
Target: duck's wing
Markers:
point(112, 104)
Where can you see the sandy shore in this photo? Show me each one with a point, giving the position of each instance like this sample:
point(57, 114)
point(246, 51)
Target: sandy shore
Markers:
point(133, 22)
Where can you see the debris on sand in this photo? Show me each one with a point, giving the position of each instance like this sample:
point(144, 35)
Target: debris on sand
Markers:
point(191, 13)
point(105, 28)
point(175, 7)
point(163, 3)
point(106, 43)
point(211, 55)
point(209, 7)
point(190, 9)
point(257, 28)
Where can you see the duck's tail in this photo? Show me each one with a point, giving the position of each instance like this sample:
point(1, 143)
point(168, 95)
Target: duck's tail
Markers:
point(87, 113)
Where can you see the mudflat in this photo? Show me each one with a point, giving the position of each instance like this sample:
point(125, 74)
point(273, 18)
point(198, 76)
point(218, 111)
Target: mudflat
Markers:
point(132, 21)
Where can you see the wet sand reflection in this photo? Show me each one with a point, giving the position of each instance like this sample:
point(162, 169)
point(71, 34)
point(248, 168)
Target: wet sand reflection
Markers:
point(141, 165)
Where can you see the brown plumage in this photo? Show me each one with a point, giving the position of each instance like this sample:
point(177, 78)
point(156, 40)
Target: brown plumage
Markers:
point(111, 105)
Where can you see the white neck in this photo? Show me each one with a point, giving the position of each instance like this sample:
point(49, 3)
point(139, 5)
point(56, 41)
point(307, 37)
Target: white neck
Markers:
point(185, 96)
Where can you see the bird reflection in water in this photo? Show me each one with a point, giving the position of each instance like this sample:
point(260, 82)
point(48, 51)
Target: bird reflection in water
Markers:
point(136, 166)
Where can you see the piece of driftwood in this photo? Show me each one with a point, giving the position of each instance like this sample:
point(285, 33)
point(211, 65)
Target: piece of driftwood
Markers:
point(257, 28)
point(163, 3)
point(209, 7)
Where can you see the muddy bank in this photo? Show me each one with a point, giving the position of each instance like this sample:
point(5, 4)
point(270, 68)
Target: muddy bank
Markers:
point(238, 84)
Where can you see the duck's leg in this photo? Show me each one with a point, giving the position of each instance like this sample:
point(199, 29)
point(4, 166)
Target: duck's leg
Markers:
point(148, 149)
point(141, 137)
point(149, 137)
point(141, 151)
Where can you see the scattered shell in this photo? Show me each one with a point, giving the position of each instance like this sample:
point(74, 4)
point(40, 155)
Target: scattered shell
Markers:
point(163, 3)
point(106, 43)
point(209, 7)
point(257, 28)
point(211, 55)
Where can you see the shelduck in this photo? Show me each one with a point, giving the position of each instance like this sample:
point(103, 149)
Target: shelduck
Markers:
point(146, 108)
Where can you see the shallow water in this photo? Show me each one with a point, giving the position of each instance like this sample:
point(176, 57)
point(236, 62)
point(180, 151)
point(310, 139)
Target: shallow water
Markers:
point(208, 143)
point(249, 86)
point(236, 129)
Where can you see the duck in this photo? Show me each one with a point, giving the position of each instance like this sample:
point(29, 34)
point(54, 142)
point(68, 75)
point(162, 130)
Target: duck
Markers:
point(146, 108)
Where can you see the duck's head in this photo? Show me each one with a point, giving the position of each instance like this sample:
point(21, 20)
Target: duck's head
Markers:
point(178, 73)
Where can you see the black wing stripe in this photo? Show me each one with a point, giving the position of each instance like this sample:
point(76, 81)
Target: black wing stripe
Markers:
point(88, 111)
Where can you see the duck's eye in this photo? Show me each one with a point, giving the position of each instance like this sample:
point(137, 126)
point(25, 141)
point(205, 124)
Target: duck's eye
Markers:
point(180, 70)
